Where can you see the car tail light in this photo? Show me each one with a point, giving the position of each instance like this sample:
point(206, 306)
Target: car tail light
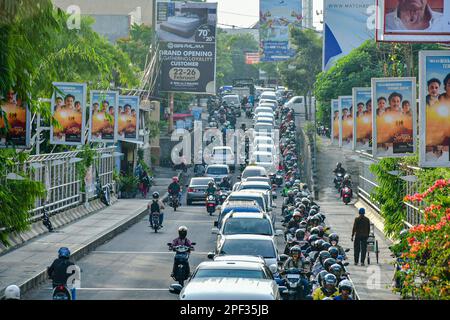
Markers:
point(190, 190)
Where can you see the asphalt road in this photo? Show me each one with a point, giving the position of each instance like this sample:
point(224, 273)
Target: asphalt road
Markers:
point(137, 263)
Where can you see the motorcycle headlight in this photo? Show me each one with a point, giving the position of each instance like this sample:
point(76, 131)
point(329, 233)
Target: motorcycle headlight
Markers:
point(210, 198)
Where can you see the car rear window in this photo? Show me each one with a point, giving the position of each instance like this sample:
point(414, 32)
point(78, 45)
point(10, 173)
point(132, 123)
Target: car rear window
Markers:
point(239, 247)
point(252, 172)
point(257, 187)
point(264, 158)
point(258, 200)
point(247, 226)
point(230, 273)
point(217, 170)
point(200, 182)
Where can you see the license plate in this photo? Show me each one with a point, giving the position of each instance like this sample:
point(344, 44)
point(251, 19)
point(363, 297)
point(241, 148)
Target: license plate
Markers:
point(293, 276)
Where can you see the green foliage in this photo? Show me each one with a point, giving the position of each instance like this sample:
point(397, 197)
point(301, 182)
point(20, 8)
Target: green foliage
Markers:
point(17, 197)
point(389, 195)
point(429, 175)
point(129, 183)
point(137, 45)
point(88, 155)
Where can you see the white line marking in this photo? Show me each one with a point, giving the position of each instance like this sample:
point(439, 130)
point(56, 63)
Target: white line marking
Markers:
point(119, 289)
point(144, 252)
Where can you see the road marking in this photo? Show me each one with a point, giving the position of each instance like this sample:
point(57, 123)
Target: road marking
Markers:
point(118, 289)
point(145, 252)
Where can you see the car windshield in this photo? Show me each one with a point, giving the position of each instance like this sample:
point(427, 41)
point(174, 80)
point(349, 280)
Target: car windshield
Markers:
point(257, 186)
point(230, 273)
point(250, 172)
point(231, 99)
point(247, 226)
point(200, 182)
point(217, 170)
point(239, 247)
point(264, 158)
point(258, 199)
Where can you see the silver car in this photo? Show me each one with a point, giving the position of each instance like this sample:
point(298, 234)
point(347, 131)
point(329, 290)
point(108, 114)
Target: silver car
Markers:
point(196, 190)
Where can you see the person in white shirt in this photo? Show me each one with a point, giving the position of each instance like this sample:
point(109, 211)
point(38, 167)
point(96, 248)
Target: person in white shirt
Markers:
point(415, 15)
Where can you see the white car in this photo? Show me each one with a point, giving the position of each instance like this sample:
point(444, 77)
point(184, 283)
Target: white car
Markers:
point(268, 95)
point(223, 155)
point(297, 103)
point(265, 115)
point(245, 223)
point(253, 171)
point(218, 172)
point(272, 102)
point(232, 99)
point(248, 245)
point(264, 159)
point(263, 109)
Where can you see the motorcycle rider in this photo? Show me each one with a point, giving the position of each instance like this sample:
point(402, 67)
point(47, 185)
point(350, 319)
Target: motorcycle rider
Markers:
point(225, 184)
point(339, 169)
point(57, 272)
point(156, 206)
point(211, 190)
point(334, 241)
point(345, 290)
point(328, 289)
point(295, 221)
point(182, 240)
point(318, 266)
point(296, 261)
point(175, 189)
point(346, 183)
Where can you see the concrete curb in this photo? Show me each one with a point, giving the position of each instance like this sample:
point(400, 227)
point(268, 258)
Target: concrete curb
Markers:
point(42, 276)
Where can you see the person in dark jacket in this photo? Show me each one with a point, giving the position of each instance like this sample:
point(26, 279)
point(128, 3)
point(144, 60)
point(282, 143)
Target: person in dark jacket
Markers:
point(360, 233)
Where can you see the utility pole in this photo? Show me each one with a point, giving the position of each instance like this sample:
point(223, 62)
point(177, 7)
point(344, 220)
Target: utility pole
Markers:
point(171, 108)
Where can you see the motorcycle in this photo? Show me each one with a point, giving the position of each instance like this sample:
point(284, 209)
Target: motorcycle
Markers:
point(249, 114)
point(155, 221)
point(223, 195)
point(211, 204)
point(181, 272)
point(346, 195)
point(294, 285)
point(103, 192)
point(46, 220)
point(338, 180)
point(173, 201)
point(278, 178)
point(61, 292)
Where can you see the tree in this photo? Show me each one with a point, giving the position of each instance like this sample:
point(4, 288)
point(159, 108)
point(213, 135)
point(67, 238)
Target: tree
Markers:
point(138, 44)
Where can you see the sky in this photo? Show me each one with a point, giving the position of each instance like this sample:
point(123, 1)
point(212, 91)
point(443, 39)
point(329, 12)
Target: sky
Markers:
point(245, 13)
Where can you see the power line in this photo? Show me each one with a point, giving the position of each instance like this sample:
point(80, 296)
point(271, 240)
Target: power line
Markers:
point(238, 14)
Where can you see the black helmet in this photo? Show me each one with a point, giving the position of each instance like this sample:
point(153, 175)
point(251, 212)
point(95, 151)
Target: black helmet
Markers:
point(295, 249)
point(330, 279)
point(328, 263)
point(182, 232)
point(326, 245)
point(321, 277)
point(211, 183)
point(303, 224)
point(334, 237)
point(323, 255)
point(155, 195)
point(312, 238)
point(336, 269)
point(306, 201)
point(300, 234)
point(338, 164)
point(334, 252)
point(315, 231)
point(302, 207)
point(315, 207)
point(312, 212)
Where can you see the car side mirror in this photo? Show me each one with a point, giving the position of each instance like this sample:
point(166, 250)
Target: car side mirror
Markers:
point(175, 288)
point(215, 230)
point(193, 243)
point(211, 255)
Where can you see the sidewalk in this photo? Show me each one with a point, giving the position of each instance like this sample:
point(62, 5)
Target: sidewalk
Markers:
point(372, 282)
point(26, 266)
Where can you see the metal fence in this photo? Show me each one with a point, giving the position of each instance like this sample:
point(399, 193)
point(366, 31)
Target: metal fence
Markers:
point(58, 173)
point(368, 182)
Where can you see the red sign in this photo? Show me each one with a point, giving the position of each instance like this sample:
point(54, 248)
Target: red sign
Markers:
point(252, 57)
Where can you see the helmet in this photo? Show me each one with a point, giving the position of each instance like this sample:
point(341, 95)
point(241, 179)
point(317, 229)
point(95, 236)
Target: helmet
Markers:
point(312, 212)
point(155, 195)
point(326, 246)
point(12, 292)
point(345, 285)
point(328, 263)
point(210, 184)
point(334, 237)
point(306, 201)
point(175, 179)
point(338, 164)
point(334, 252)
point(296, 215)
point(295, 249)
point(288, 184)
point(224, 179)
point(290, 193)
point(297, 181)
point(323, 255)
point(315, 231)
point(300, 234)
point(321, 276)
point(315, 207)
point(336, 269)
point(305, 186)
point(347, 177)
point(312, 238)
point(314, 219)
point(321, 231)
point(63, 253)
point(330, 279)
point(303, 224)
point(182, 232)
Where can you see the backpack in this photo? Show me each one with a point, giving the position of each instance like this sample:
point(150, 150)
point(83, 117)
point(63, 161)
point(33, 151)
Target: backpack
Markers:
point(154, 207)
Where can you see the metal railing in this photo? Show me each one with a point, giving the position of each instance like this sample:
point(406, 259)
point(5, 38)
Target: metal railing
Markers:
point(58, 173)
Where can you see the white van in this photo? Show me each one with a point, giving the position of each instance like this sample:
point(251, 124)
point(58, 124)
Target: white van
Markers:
point(223, 155)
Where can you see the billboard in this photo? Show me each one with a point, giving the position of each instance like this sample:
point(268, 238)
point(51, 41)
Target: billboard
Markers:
point(103, 115)
point(68, 109)
point(275, 18)
point(186, 32)
point(346, 122)
point(128, 118)
point(413, 20)
point(347, 24)
point(362, 119)
point(15, 128)
point(394, 121)
point(335, 123)
point(434, 108)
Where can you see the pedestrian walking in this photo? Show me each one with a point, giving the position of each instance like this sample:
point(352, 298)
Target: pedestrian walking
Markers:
point(360, 233)
point(145, 184)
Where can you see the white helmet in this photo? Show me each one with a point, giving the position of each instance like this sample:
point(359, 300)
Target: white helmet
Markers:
point(12, 292)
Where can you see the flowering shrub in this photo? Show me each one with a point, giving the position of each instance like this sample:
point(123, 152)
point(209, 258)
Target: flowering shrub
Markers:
point(427, 255)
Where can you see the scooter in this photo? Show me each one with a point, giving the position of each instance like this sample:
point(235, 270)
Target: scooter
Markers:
point(46, 220)
point(211, 203)
point(173, 202)
point(155, 221)
point(338, 180)
point(346, 195)
point(294, 285)
point(181, 272)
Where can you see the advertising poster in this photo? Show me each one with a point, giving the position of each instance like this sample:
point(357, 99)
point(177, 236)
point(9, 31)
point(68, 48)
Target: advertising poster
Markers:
point(186, 32)
point(335, 123)
point(15, 128)
point(275, 18)
point(414, 21)
point(346, 120)
point(347, 24)
point(362, 119)
point(128, 116)
point(68, 109)
point(434, 108)
point(394, 119)
point(103, 115)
